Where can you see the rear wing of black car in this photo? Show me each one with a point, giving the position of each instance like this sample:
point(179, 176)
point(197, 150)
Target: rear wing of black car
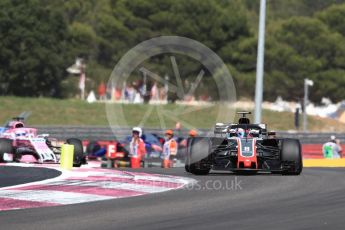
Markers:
point(221, 128)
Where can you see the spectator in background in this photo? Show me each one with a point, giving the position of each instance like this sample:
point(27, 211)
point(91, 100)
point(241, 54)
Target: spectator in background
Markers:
point(163, 94)
point(118, 94)
point(154, 92)
point(102, 91)
point(332, 149)
point(130, 93)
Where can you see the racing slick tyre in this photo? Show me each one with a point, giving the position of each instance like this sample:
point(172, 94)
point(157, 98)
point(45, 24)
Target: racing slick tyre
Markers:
point(187, 160)
point(78, 158)
point(5, 147)
point(197, 158)
point(291, 157)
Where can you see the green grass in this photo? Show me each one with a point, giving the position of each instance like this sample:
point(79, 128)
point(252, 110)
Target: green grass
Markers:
point(75, 112)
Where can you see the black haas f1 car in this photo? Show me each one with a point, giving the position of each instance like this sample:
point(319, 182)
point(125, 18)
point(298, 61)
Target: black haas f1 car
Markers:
point(243, 147)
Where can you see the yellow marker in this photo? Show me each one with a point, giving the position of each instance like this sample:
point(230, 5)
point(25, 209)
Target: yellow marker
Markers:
point(67, 153)
point(324, 162)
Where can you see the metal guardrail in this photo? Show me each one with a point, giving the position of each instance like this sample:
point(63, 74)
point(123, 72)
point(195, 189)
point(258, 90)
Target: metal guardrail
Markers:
point(105, 133)
point(312, 138)
point(95, 132)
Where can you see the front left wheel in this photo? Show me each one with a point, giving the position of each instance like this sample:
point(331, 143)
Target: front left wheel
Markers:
point(5, 147)
point(197, 158)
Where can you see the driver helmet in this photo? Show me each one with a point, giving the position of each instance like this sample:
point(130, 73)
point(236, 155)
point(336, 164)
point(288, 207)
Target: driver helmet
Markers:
point(20, 133)
point(240, 133)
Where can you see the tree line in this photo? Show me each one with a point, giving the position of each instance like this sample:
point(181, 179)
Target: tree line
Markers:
point(39, 39)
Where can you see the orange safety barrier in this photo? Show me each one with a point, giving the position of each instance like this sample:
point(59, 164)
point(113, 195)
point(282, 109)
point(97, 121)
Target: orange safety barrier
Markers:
point(135, 162)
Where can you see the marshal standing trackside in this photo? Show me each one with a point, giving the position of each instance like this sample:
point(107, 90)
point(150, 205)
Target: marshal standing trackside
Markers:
point(243, 147)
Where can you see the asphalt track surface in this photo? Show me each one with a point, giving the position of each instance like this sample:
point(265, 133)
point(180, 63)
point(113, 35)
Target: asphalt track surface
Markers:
point(13, 175)
point(313, 200)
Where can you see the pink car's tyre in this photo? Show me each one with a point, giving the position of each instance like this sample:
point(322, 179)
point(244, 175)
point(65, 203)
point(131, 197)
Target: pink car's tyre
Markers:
point(5, 147)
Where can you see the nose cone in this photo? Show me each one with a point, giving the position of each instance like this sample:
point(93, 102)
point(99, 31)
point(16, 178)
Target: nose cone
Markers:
point(247, 163)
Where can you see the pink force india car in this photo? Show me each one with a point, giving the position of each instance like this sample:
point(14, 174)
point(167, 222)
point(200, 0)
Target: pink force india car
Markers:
point(17, 141)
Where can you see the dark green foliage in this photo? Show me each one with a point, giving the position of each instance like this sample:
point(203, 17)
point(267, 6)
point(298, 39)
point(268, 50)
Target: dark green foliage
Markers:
point(32, 49)
point(39, 39)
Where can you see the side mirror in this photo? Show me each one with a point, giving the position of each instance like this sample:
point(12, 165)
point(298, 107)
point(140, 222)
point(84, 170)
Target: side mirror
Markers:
point(271, 133)
point(264, 132)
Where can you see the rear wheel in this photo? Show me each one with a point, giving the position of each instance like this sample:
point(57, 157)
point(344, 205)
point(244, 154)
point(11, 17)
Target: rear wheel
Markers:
point(78, 157)
point(291, 157)
point(197, 158)
point(5, 147)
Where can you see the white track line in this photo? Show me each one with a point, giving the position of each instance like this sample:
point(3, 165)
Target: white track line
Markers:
point(51, 196)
